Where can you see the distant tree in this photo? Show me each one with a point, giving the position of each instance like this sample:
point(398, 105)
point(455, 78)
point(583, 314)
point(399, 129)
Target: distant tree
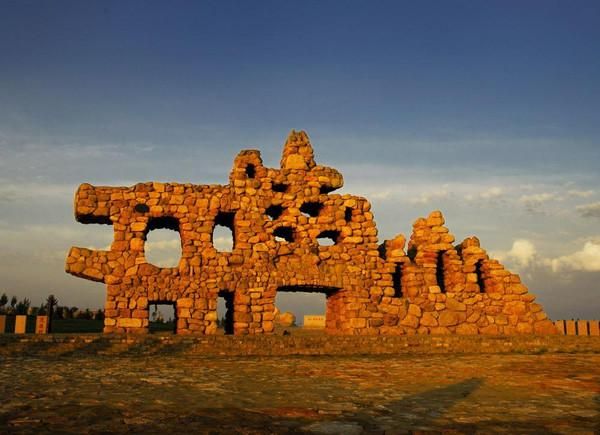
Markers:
point(22, 307)
point(3, 302)
point(42, 310)
point(86, 315)
point(99, 315)
point(58, 312)
point(51, 302)
point(13, 303)
point(71, 312)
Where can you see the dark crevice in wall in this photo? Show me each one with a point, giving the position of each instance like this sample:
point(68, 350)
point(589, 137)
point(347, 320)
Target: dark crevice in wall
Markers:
point(479, 273)
point(280, 187)
point(397, 281)
point(439, 271)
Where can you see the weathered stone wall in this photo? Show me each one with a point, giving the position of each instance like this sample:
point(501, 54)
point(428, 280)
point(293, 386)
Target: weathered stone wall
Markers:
point(278, 218)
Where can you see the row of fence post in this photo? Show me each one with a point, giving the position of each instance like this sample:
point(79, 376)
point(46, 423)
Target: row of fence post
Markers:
point(41, 324)
point(565, 327)
point(578, 327)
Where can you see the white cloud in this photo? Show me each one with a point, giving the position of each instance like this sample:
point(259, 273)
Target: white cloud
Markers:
point(38, 191)
point(581, 193)
point(428, 197)
point(587, 259)
point(538, 198)
point(535, 202)
point(522, 253)
point(492, 192)
point(589, 210)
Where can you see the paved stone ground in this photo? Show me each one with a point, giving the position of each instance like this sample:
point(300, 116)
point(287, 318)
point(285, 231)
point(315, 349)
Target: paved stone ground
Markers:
point(71, 392)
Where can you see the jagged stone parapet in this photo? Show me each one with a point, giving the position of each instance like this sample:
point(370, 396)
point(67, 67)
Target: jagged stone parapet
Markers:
point(279, 219)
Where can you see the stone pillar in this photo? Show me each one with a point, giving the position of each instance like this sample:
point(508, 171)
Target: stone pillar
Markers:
point(20, 324)
point(41, 324)
point(2, 324)
point(560, 326)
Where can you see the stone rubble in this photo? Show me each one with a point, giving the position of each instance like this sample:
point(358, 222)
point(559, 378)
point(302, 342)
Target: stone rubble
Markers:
point(278, 218)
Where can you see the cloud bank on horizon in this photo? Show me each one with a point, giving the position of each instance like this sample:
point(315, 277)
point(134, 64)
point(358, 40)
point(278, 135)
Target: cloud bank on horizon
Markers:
point(486, 112)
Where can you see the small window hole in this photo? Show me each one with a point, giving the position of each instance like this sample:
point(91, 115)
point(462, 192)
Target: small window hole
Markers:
point(284, 234)
point(223, 232)
point(328, 238)
point(250, 170)
point(274, 211)
point(280, 187)
point(311, 209)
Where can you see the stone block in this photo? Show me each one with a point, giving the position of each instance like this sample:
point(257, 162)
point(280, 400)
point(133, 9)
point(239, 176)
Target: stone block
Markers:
point(124, 322)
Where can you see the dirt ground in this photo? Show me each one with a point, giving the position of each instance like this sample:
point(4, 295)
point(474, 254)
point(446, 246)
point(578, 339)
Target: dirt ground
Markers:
point(73, 392)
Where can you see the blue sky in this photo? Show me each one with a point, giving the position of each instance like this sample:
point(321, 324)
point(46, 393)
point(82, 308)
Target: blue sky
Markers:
point(489, 111)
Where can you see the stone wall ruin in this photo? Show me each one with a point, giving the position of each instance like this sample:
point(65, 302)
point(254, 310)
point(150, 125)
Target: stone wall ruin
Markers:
point(279, 219)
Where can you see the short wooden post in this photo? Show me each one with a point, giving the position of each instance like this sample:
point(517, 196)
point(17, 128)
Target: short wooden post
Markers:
point(571, 327)
point(20, 324)
point(2, 324)
point(594, 328)
point(582, 327)
point(560, 325)
point(41, 324)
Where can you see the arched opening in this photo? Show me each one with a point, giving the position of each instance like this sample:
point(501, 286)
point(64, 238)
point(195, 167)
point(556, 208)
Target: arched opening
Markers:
point(328, 238)
point(225, 311)
point(274, 211)
point(479, 273)
point(162, 247)
point(397, 281)
point(250, 170)
point(305, 301)
point(439, 271)
point(162, 317)
point(284, 234)
point(311, 209)
point(223, 235)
